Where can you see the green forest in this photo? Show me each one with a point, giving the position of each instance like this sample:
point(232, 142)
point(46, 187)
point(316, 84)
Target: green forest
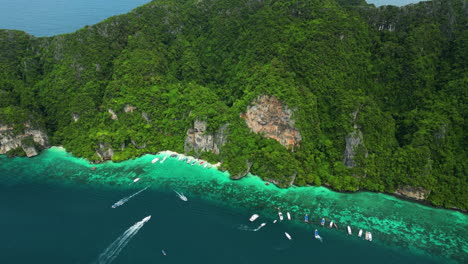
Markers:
point(398, 75)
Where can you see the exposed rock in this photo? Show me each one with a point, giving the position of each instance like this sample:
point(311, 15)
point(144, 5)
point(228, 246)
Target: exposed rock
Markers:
point(105, 152)
point(145, 116)
point(129, 108)
point(75, 117)
point(198, 140)
point(353, 141)
point(268, 116)
point(136, 145)
point(417, 193)
point(9, 140)
point(113, 115)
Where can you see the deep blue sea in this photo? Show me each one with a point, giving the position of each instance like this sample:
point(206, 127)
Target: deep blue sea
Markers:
point(52, 17)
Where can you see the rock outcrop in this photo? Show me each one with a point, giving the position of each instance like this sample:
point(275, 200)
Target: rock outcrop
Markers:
point(197, 139)
point(104, 151)
point(416, 193)
point(29, 139)
point(353, 141)
point(271, 118)
point(113, 114)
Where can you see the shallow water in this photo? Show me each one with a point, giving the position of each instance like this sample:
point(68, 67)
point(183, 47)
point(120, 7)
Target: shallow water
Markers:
point(58, 210)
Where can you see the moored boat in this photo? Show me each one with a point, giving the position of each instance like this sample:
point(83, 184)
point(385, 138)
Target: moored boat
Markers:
point(154, 160)
point(331, 224)
point(322, 222)
point(349, 230)
point(173, 155)
point(280, 216)
point(274, 221)
point(368, 236)
point(204, 166)
point(360, 233)
point(165, 157)
point(137, 179)
point(253, 217)
point(316, 234)
point(288, 235)
point(306, 218)
point(289, 216)
point(335, 225)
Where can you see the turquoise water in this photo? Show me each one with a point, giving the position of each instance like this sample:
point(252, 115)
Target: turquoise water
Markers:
point(57, 210)
point(53, 17)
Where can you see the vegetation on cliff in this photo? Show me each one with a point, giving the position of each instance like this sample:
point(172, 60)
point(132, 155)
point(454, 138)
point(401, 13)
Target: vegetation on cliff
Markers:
point(398, 75)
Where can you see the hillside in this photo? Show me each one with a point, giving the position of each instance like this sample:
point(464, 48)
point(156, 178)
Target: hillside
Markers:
point(307, 93)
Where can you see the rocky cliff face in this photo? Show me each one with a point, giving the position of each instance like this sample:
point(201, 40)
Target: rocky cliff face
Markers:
point(104, 151)
point(353, 141)
point(27, 140)
point(416, 193)
point(274, 120)
point(198, 140)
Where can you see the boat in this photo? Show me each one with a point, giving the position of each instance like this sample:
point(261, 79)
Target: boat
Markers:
point(335, 225)
point(206, 164)
point(163, 252)
point(181, 196)
point(316, 234)
point(360, 233)
point(137, 179)
point(280, 216)
point(193, 163)
point(274, 221)
point(331, 224)
point(322, 222)
point(146, 219)
point(289, 216)
point(165, 157)
point(202, 162)
point(173, 155)
point(253, 217)
point(288, 235)
point(368, 236)
point(154, 160)
point(306, 218)
point(180, 157)
point(189, 160)
point(349, 230)
point(117, 204)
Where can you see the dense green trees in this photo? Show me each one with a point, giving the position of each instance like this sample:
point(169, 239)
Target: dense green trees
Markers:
point(397, 75)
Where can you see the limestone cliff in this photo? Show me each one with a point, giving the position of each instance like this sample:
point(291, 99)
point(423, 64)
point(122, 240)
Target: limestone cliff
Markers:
point(30, 139)
point(416, 193)
point(197, 139)
point(268, 116)
point(353, 140)
point(104, 151)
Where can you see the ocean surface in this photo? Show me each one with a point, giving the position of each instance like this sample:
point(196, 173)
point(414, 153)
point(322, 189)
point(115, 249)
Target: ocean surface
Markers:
point(55, 208)
point(53, 17)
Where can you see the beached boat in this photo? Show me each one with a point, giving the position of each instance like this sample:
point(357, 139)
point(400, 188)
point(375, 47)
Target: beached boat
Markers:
point(173, 155)
point(368, 236)
point(165, 157)
point(288, 235)
point(202, 162)
point(137, 179)
point(193, 163)
point(155, 160)
point(206, 164)
point(322, 222)
point(306, 218)
point(289, 216)
point(280, 216)
point(360, 233)
point(180, 157)
point(253, 217)
point(189, 160)
point(349, 230)
point(331, 224)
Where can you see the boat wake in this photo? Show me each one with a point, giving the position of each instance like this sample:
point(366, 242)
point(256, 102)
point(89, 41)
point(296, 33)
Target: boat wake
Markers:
point(126, 199)
point(259, 227)
point(114, 249)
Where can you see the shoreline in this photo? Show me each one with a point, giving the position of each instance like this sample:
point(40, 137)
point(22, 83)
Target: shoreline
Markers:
point(266, 182)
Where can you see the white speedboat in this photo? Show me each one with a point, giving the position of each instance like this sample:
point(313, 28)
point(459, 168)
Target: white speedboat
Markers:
point(181, 196)
point(360, 233)
point(274, 221)
point(146, 219)
point(280, 216)
point(165, 157)
point(137, 179)
point(289, 216)
point(206, 164)
point(155, 160)
point(180, 157)
point(253, 217)
point(330, 225)
point(368, 236)
point(349, 230)
point(288, 235)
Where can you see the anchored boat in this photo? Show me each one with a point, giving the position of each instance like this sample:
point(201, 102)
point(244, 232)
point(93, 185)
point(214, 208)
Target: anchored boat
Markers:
point(349, 230)
point(360, 233)
point(289, 216)
point(154, 160)
point(368, 236)
point(306, 218)
point(253, 217)
point(280, 216)
point(323, 222)
point(331, 224)
point(288, 235)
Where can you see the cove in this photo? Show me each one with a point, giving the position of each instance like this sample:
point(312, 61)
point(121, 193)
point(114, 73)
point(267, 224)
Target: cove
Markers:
point(61, 192)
